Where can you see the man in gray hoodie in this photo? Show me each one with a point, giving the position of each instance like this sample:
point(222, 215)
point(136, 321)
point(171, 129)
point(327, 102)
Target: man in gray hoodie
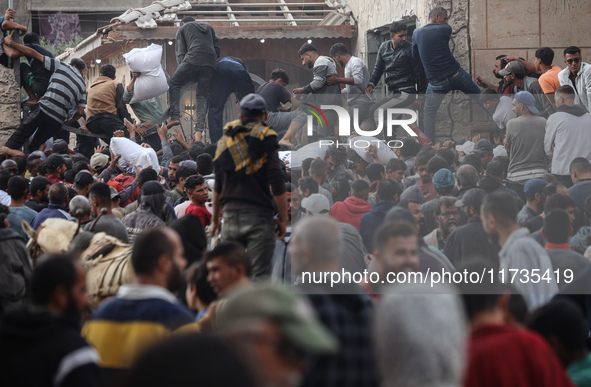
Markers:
point(151, 201)
point(197, 51)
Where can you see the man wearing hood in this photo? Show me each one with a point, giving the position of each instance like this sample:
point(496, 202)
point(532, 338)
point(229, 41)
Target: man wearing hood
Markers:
point(41, 342)
point(568, 130)
point(354, 207)
point(105, 109)
point(387, 195)
point(151, 201)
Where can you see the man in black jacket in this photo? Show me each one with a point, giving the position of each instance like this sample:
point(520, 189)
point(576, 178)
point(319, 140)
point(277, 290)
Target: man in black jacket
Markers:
point(405, 76)
point(41, 343)
point(197, 51)
point(470, 240)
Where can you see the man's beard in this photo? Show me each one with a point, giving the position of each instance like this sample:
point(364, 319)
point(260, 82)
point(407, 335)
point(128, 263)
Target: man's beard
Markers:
point(310, 65)
point(450, 227)
point(498, 76)
point(174, 279)
point(494, 238)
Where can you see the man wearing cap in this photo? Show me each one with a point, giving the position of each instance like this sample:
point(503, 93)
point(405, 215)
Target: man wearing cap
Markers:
point(344, 308)
point(525, 141)
point(58, 200)
point(99, 161)
point(484, 149)
point(82, 182)
point(275, 330)
point(470, 240)
point(577, 74)
point(146, 215)
point(444, 182)
point(568, 134)
point(246, 164)
point(56, 168)
point(353, 253)
point(515, 73)
point(448, 219)
point(534, 206)
point(60, 146)
point(430, 46)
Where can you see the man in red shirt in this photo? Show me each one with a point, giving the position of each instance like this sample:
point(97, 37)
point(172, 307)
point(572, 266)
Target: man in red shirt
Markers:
point(196, 189)
point(56, 167)
point(499, 354)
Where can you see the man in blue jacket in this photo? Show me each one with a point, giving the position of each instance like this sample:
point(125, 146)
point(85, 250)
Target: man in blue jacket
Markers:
point(388, 192)
point(430, 45)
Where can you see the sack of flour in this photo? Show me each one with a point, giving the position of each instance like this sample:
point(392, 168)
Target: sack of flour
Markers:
point(146, 61)
point(133, 154)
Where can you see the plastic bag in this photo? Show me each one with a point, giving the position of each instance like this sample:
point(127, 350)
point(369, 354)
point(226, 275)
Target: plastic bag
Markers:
point(146, 61)
point(133, 154)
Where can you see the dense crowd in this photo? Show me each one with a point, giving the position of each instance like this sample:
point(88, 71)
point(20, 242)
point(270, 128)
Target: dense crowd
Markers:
point(216, 266)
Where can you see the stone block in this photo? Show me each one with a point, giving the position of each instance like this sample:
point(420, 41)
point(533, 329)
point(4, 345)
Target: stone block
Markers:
point(513, 23)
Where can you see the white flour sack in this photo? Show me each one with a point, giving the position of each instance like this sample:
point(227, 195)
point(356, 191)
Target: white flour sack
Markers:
point(133, 154)
point(146, 61)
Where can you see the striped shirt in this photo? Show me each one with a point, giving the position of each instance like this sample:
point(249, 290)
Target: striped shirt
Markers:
point(66, 90)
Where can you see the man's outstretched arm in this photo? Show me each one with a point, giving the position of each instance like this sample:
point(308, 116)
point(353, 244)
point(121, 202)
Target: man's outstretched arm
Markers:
point(23, 49)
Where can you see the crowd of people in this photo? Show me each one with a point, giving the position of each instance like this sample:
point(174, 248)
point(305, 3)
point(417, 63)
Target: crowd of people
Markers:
point(232, 249)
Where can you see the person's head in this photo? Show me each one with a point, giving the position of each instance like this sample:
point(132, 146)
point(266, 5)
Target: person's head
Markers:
point(315, 245)
point(318, 169)
point(557, 226)
point(205, 164)
point(513, 72)
point(340, 54)
point(486, 299)
point(524, 104)
point(253, 108)
point(59, 283)
point(562, 323)
point(484, 149)
point(396, 248)
point(500, 63)
point(395, 169)
point(56, 165)
point(78, 64)
point(294, 200)
point(187, 19)
point(421, 161)
point(438, 15)
point(80, 208)
point(471, 202)
point(158, 258)
point(533, 190)
point(447, 215)
point(435, 164)
point(412, 347)
point(58, 194)
point(308, 55)
point(573, 59)
point(39, 188)
point(31, 38)
point(173, 166)
point(467, 176)
point(449, 156)
point(32, 164)
point(146, 175)
point(280, 76)
point(415, 209)
point(99, 196)
point(306, 166)
point(228, 265)
point(499, 214)
point(359, 165)
point(444, 182)
point(18, 188)
point(543, 56)
point(82, 182)
point(388, 190)
point(10, 166)
point(398, 34)
point(316, 204)
point(375, 172)
point(199, 291)
point(184, 359)
point(275, 329)
point(409, 148)
point(307, 186)
point(360, 189)
point(489, 184)
point(490, 99)
point(4, 211)
point(474, 160)
point(183, 173)
point(335, 157)
point(99, 162)
point(197, 148)
point(564, 95)
point(196, 189)
point(496, 168)
point(108, 71)
point(562, 202)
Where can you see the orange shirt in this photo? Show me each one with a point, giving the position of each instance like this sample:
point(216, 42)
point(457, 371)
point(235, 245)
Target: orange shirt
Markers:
point(549, 80)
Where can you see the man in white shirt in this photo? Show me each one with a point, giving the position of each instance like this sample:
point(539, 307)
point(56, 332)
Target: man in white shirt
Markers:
point(577, 75)
point(501, 107)
point(569, 130)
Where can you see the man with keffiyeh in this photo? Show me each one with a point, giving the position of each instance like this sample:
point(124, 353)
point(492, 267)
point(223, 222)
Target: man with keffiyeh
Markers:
point(250, 185)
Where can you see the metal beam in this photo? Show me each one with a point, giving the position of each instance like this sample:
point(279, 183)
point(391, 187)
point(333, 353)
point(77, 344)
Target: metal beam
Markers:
point(286, 13)
point(234, 20)
point(256, 5)
point(255, 11)
point(231, 16)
